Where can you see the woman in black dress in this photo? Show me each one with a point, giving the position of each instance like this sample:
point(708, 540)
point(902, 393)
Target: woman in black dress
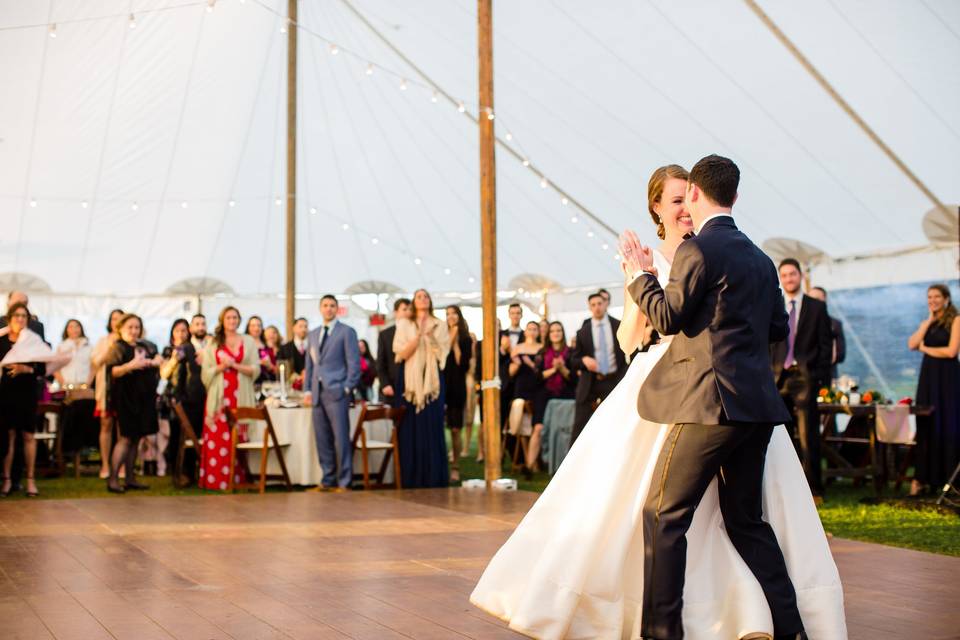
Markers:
point(938, 435)
point(133, 395)
point(527, 382)
point(455, 375)
point(182, 372)
point(19, 395)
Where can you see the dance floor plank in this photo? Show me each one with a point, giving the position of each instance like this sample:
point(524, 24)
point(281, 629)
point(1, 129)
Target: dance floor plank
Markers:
point(307, 566)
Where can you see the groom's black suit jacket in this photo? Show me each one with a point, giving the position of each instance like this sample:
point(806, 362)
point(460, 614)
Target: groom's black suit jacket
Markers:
point(724, 306)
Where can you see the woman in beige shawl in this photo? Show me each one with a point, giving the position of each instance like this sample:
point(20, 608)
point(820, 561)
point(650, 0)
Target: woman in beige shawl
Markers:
point(98, 362)
point(421, 344)
point(230, 365)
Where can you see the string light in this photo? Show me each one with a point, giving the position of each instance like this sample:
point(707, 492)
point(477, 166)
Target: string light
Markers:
point(370, 69)
point(447, 271)
point(471, 279)
point(345, 226)
point(313, 211)
point(509, 136)
point(375, 240)
point(605, 246)
point(52, 30)
point(403, 85)
point(574, 219)
point(589, 234)
point(210, 5)
point(526, 162)
point(283, 28)
point(183, 205)
point(617, 257)
point(543, 183)
point(132, 21)
point(334, 49)
point(84, 204)
point(232, 203)
point(564, 201)
point(490, 114)
point(277, 202)
point(33, 203)
point(460, 107)
point(417, 261)
point(134, 206)
point(434, 97)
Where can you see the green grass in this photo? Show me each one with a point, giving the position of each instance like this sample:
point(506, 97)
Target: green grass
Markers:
point(913, 526)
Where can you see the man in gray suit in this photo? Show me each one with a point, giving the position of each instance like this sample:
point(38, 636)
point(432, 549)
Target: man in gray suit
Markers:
point(715, 388)
point(332, 372)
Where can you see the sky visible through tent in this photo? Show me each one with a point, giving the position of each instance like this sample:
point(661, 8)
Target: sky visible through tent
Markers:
point(140, 151)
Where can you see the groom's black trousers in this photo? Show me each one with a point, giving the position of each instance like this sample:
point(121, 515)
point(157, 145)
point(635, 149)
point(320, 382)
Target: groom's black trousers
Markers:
point(691, 457)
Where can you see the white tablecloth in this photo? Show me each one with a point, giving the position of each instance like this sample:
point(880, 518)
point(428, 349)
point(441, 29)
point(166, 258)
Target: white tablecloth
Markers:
point(296, 427)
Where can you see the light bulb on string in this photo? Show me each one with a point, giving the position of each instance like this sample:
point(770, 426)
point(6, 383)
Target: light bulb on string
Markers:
point(589, 234)
point(605, 246)
point(210, 5)
point(313, 211)
point(375, 240)
point(574, 219)
point(447, 271)
point(184, 205)
point(84, 204)
point(471, 279)
point(543, 183)
point(345, 226)
point(434, 97)
point(417, 261)
point(134, 206)
point(52, 30)
point(490, 114)
point(232, 203)
point(132, 21)
point(33, 203)
point(526, 162)
point(460, 107)
point(334, 49)
point(617, 257)
point(370, 69)
point(403, 85)
point(509, 136)
point(283, 28)
point(564, 201)
point(277, 202)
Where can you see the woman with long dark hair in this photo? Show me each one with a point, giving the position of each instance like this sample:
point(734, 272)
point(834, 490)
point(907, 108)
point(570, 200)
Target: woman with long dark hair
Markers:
point(230, 365)
point(181, 370)
point(558, 383)
point(368, 371)
point(938, 435)
point(455, 376)
point(421, 344)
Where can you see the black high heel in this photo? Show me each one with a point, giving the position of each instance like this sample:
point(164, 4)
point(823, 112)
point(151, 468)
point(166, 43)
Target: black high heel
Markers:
point(5, 493)
point(31, 494)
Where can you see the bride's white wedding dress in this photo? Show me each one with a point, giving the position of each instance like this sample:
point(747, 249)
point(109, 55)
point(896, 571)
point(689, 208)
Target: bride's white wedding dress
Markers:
point(573, 568)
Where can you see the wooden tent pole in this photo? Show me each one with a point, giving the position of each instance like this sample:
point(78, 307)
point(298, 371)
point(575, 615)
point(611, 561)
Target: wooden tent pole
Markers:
point(291, 226)
point(488, 246)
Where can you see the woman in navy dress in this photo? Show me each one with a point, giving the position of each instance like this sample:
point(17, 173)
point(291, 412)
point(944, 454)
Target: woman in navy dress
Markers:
point(938, 435)
point(421, 345)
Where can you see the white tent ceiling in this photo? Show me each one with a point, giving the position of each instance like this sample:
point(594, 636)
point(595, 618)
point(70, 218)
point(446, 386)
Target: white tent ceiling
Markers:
point(135, 158)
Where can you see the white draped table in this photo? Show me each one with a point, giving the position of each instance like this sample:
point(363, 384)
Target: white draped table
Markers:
point(295, 426)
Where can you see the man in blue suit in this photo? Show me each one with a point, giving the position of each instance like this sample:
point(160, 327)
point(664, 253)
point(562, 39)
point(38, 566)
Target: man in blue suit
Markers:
point(332, 372)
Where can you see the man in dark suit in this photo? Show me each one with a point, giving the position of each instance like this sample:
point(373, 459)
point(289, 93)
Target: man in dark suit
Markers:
point(713, 386)
point(293, 353)
point(836, 331)
point(387, 368)
point(801, 365)
point(515, 331)
point(598, 359)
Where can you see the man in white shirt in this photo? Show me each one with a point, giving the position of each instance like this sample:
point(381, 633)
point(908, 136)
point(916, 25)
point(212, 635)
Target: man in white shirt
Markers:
point(597, 359)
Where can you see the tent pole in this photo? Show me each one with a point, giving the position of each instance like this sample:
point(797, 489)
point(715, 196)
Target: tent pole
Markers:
point(291, 226)
point(488, 247)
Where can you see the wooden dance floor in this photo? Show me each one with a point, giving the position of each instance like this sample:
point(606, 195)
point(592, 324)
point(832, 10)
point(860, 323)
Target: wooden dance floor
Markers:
point(376, 565)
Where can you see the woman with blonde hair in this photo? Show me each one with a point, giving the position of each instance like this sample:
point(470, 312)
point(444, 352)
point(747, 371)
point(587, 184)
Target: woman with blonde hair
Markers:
point(230, 365)
point(421, 344)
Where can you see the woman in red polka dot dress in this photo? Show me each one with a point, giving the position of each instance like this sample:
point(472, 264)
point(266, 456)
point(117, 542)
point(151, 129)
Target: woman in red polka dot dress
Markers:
point(230, 365)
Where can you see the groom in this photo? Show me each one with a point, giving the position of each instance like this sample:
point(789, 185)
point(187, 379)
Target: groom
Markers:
point(715, 389)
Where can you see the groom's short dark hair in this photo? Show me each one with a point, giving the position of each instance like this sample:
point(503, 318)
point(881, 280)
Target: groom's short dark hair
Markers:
point(718, 178)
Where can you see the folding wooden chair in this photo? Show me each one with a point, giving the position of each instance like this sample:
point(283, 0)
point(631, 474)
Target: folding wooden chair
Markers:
point(53, 438)
point(521, 438)
point(188, 439)
point(270, 443)
point(371, 413)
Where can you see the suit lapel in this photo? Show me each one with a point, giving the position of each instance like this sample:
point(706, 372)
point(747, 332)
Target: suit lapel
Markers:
point(806, 309)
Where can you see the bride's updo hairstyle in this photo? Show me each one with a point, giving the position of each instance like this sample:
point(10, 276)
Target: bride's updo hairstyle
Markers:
point(655, 191)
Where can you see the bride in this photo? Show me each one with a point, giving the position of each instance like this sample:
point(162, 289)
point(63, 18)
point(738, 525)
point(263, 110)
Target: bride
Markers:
point(573, 567)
